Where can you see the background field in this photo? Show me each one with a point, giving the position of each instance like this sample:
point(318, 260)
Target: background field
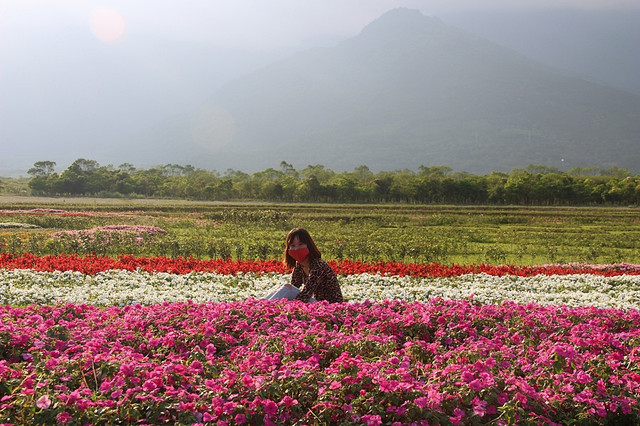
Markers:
point(406, 233)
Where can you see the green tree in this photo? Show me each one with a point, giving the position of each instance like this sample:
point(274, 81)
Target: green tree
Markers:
point(70, 183)
point(42, 168)
point(127, 168)
point(404, 187)
point(223, 190)
point(42, 177)
point(148, 181)
point(434, 171)
point(321, 173)
point(288, 169)
point(517, 188)
point(382, 186)
point(310, 189)
point(197, 181)
point(83, 167)
point(346, 188)
point(495, 187)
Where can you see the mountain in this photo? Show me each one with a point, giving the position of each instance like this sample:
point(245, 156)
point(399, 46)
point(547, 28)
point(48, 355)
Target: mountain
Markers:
point(410, 90)
point(597, 45)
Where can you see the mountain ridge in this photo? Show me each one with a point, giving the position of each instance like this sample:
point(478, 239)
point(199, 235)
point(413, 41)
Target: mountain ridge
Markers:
point(410, 96)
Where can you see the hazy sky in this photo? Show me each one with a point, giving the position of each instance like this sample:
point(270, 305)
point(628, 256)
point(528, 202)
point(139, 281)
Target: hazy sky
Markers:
point(258, 24)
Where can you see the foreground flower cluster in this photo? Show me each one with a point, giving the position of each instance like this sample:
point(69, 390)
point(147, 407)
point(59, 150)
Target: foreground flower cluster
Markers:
point(276, 362)
point(152, 340)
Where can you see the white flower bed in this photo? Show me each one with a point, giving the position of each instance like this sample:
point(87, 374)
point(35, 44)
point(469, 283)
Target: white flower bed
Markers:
point(17, 225)
point(118, 287)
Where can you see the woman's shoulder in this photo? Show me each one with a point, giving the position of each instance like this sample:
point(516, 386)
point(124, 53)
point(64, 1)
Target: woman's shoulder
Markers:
point(319, 261)
point(321, 264)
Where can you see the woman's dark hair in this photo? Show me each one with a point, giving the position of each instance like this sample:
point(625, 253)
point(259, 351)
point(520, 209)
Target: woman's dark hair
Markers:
point(304, 238)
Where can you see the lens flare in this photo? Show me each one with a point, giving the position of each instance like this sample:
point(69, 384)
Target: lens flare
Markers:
point(107, 25)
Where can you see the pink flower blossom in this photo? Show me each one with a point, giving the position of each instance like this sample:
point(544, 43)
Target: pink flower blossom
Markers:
point(287, 401)
point(106, 386)
point(270, 407)
point(64, 417)
point(468, 376)
point(247, 380)
point(475, 385)
point(43, 402)
point(127, 369)
point(583, 377)
point(480, 408)
point(372, 419)
point(421, 402)
point(149, 386)
point(457, 417)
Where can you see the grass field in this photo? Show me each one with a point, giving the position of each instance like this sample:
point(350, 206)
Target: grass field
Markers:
point(406, 233)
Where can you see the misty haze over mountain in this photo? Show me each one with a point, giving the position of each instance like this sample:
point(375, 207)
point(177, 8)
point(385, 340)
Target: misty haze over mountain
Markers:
point(596, 45)
point(408, 90)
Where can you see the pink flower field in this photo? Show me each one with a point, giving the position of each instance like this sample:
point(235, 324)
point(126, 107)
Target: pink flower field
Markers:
point(277, 362)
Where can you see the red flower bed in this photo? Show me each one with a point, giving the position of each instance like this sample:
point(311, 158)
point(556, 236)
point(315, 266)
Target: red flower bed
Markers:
point(95, 264)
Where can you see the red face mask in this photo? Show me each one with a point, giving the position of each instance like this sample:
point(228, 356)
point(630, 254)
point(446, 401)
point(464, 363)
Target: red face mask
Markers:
point(299, 254)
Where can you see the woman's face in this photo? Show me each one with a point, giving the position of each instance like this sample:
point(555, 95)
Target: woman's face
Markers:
point(296, 244)
point(298, 250)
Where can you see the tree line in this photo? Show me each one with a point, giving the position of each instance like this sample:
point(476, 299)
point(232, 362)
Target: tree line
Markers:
point(533, 185)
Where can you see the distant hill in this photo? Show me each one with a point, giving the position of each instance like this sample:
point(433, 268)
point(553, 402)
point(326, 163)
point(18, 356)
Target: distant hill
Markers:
point(411, 90)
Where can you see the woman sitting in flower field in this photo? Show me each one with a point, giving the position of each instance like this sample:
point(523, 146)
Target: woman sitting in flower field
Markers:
point(309, 269)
